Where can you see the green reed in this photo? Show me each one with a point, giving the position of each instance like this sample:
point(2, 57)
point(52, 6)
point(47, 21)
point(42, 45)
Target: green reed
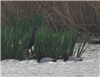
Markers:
point(14, 36)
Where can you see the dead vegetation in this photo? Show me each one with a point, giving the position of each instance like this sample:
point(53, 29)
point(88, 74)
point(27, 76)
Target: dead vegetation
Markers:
point(82, 15)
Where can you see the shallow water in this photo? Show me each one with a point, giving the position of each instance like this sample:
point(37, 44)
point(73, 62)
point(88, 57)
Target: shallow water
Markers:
point(89, 67)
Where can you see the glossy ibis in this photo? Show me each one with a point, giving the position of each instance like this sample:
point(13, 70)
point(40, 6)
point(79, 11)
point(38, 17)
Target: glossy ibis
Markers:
point(30, 42)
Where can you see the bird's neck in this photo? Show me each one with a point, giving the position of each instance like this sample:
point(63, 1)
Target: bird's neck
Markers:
point(33, 34)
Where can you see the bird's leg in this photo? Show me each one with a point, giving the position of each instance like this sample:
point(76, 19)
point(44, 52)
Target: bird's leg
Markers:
point(29, 50)
point(30, 53)
point(32, 48)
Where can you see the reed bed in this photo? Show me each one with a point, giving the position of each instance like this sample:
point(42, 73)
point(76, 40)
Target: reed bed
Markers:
point(14, 37)
point(82, 15)
point(52, 43)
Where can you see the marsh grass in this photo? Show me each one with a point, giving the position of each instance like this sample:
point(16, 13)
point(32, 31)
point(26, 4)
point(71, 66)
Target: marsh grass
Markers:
point(14, 36)
point(81, 48)
point(54, 44)
point(10, 45)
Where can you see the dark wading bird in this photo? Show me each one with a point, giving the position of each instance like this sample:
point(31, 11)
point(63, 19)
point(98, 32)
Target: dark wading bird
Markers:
point(30, 42)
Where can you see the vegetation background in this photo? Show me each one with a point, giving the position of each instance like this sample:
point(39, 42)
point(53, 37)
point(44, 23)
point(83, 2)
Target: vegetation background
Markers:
point(82, 15)
point(70, 18)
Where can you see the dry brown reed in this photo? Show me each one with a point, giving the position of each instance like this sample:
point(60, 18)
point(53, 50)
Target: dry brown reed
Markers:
point(82, 15)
